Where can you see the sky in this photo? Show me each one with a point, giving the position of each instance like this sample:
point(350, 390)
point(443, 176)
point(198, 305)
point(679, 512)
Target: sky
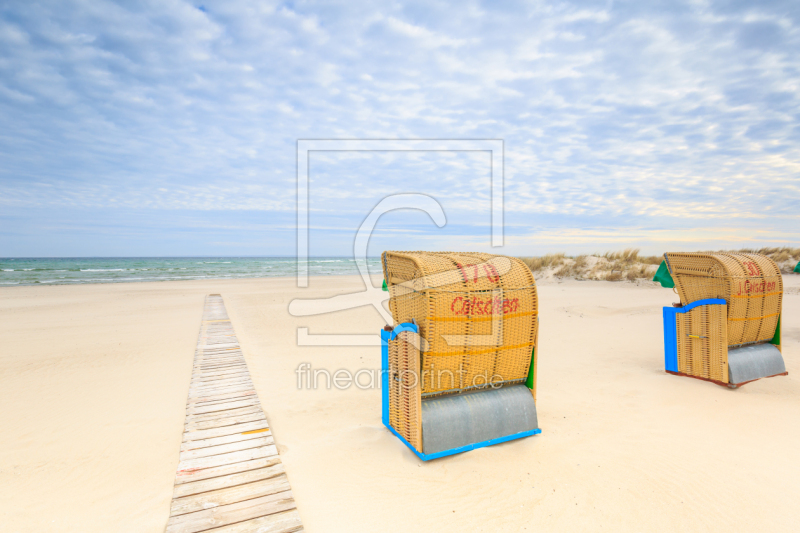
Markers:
point(171, 128)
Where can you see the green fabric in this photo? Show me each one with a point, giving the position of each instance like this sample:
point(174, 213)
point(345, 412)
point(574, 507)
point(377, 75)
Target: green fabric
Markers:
point(797, 268)
point(663, 276)
point(776, 340)
point(385, 287)
point(529, 382)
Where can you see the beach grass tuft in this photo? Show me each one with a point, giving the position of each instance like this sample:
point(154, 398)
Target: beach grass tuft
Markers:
point(621, 265)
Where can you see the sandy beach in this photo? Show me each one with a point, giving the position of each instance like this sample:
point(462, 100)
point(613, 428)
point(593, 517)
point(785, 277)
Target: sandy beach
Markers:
point(94, 380)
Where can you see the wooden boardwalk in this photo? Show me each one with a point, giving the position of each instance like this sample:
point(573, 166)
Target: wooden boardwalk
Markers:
point(230, 477)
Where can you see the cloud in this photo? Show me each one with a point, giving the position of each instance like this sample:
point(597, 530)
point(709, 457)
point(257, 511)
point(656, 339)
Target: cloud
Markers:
point(655, 115)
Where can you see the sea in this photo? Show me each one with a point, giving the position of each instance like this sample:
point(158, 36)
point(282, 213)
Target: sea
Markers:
point(78, 270)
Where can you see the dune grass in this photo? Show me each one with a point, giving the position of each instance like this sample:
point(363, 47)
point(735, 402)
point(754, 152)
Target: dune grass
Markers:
point(611, 266)
point(629, 265)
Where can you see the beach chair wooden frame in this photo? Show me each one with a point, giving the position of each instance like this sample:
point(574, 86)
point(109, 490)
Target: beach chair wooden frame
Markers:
point(439, 296)
point(728, 301)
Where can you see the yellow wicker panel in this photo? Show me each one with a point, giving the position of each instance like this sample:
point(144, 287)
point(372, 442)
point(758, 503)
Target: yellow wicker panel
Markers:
point(405, 401)
point(703, 342)
point(476, 311)
point(751, 284)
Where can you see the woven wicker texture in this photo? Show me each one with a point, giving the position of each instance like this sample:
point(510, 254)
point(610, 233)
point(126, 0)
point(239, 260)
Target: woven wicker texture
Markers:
point(751, 284)
point(476, 311)
point(703, 342)
point(405, 401)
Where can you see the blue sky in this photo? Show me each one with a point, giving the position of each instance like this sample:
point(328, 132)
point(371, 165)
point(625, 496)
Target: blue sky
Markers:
point(170, 128)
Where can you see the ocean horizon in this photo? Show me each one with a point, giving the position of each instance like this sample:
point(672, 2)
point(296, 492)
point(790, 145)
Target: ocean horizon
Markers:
point(18, 271)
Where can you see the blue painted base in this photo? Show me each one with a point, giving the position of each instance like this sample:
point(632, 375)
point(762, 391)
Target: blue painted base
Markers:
point(386, 336)
point(429, 456)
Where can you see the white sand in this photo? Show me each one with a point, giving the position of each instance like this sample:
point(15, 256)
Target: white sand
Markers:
point(93, 384)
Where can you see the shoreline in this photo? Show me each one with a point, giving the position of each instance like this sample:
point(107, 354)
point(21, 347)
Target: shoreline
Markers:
point(132, 281)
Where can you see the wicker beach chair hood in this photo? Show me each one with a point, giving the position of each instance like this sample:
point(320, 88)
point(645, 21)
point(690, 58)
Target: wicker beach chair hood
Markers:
point(728, 329)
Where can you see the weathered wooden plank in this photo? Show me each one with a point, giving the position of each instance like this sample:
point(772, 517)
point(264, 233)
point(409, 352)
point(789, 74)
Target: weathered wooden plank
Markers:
point(218, 370)
point(212, 370)
point(226, 448)
point(214, 381)
point(221, 389)
point(214, 362)
point(222, 418)
point(206, 353)
point(227, 430)
point(205, 401)
point(222, 355)
point(216, 441)
point(231, 514)
point(213, 391)
point(222, 422)
point(198, 410)
point(233, 358)
point(213, 377)
point(229, 495)
point(197, 401)
point(218, 367)
point(216, 390)
point(206, 393)
point(218, 346)
point(210, 355)
point(231, 480)
point(219, 383)
point(224, 365)
point(284, 522)
point(209, 369)
point(223, 414)
point(209, 378)
point(200, 474)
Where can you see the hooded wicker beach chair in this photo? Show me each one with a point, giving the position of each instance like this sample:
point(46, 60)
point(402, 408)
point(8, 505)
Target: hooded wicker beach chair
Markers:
point(727, 327)
point(460, 359)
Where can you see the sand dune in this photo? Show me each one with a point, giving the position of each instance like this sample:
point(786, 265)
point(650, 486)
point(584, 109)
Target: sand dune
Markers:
point(93, 384)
